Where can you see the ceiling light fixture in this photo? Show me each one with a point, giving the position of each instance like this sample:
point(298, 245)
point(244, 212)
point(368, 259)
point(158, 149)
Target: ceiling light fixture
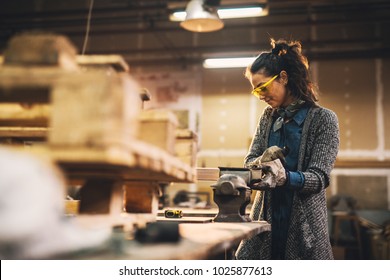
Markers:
point(242, 12)
point(232, 62)
point(228, 12)
point(201, 17)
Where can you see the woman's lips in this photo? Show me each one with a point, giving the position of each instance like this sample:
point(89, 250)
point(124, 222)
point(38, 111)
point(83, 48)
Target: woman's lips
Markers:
point(267, 100)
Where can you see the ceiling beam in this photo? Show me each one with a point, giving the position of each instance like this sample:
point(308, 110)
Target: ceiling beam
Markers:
point(312, 56)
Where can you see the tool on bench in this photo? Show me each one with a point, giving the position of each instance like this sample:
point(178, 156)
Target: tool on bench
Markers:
point(232, 192)
point(173, 213)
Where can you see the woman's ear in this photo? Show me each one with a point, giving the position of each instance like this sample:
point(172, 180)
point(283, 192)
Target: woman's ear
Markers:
point(283, 77)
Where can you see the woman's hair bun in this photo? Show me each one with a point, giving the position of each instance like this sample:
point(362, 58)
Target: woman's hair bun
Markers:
point(281, 47)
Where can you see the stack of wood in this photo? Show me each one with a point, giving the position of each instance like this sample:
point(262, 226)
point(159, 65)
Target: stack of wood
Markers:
point(186, 146)
point(89, 117)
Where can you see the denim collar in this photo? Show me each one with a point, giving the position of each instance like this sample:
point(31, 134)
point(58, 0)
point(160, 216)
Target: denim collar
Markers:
point(294, 111)
point(300, 116)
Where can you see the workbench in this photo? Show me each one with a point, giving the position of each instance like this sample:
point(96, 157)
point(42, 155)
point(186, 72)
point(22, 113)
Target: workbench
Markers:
point(198, 241)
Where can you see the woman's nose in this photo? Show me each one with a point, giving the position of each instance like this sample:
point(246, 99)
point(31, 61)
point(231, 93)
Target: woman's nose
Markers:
point(263, 96)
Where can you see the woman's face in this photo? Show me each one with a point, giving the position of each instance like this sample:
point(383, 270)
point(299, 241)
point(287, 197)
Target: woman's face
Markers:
point(274, 93)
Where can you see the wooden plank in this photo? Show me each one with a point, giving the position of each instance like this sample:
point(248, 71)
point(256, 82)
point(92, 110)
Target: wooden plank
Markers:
point(141, 197)
point(185, 220)
point(115, 61)
point(24, 132)
point(190, 160)
point(158, 127)
point(95, 108)
point(21, 93)
point(20, 84)
point(36, 48)
point(101, 197)
point(192, 212)
point(16, 114)
point(186, 146)
point(362, 163)
point(132, 160)
point(186, 134)
point(207, 174)
point(222, 232)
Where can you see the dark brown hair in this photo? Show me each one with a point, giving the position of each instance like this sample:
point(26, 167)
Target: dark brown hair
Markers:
point(287, 56)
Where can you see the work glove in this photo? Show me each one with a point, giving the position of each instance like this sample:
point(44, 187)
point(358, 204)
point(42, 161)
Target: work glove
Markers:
point(270, 154)
point(274, 174)
point(277, 171)
point(274, 152)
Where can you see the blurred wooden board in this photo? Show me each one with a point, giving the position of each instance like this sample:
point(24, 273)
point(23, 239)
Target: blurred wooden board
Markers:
point(362, 163)
point(141, 197)
point(192, 212)
point(115, 61)
point(199, 241)
point(93, 109)
point(16, 114)
point(24, 132)
point(158, 127)
point(133, 160)
point(207, 174)
point(186, 146)
point(43, 49)
point(185, 219)
point(22, 84)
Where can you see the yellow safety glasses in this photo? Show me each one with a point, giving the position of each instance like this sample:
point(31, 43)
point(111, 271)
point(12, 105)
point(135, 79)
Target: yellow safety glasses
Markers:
point(257, 91)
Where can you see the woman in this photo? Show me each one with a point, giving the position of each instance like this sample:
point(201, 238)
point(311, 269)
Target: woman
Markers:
point(296, 207)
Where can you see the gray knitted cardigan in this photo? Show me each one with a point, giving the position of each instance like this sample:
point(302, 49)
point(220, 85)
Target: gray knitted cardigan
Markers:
point(308, 236)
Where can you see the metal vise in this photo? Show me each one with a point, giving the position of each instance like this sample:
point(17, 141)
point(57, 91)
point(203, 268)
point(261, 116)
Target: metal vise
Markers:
point(232, 193)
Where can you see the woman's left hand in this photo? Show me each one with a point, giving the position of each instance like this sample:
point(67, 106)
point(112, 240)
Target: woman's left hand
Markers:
point(276, 170)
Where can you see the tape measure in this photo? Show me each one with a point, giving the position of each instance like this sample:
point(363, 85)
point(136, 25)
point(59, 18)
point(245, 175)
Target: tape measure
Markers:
point(172, 213)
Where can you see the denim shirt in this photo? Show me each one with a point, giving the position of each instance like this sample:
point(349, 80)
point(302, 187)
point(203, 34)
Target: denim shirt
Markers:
point(288, 135)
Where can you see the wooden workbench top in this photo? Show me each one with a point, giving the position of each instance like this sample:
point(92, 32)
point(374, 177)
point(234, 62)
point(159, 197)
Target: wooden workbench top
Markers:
point(198, 241)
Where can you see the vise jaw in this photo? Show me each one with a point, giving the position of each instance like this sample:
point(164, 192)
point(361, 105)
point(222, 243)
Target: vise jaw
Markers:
point(232, 193)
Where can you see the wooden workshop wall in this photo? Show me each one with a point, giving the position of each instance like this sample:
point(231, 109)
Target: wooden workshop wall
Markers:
point(358, 91)
point(226, 117)
point(350, 89)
